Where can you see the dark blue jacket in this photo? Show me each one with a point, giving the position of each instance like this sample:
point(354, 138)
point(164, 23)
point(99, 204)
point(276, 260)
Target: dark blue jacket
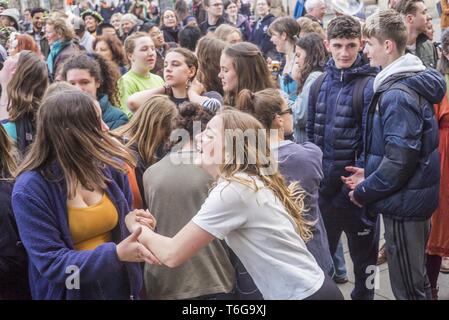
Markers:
point(13, 258)
point(402, 166)
point(114, 117)
point(260, 37)
point(40, 209)
point(307, 156)
point(333, 126)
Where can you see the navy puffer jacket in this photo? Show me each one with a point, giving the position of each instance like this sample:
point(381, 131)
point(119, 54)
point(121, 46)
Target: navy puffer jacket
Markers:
point(402, 166)
point(333, 125)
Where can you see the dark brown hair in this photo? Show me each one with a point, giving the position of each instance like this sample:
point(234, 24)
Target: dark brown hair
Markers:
point(69, 133)
point(316, 56)
point(104, 71)
point(263, 105)
point(27, 85)
point(189, 57)
point(189, 113)
point(116, 47)
point(251, 68)
point(285, 24)
point(209, 51)
point(344, 27)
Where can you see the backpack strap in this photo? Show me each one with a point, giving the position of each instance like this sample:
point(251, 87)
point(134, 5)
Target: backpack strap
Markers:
point(358, 98)
point(315, 89)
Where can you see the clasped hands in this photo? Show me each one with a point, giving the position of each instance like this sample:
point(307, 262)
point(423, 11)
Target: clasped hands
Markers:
point(130, 249)
point(358, 175)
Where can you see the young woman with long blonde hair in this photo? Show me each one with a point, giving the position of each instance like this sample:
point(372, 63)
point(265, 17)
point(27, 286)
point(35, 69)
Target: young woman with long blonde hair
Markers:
point(250, 207)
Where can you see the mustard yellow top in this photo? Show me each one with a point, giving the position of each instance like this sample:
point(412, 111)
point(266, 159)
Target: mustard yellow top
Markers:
point(91, 226)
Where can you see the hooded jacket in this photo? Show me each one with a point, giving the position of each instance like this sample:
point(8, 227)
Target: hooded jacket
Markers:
point(402, 168)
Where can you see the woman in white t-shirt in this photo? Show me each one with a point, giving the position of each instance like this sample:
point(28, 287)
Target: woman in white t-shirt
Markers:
point(252, 209)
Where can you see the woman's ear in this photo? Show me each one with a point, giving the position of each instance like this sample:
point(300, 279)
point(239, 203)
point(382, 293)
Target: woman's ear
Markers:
point(192, 73)
point(130, 57)
point(284, 36)
point(277, 123)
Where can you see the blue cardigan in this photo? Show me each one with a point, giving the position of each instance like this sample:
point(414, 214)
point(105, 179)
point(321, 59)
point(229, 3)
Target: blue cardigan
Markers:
point(40, 209)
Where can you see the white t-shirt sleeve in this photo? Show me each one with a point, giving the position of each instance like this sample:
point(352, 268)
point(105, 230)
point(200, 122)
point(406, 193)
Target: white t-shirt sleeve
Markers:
point(222, 212)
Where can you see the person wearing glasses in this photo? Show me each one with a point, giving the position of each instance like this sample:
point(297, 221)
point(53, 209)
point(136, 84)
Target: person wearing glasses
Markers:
point(270, 108)
point(214, 9)
point(161, 46)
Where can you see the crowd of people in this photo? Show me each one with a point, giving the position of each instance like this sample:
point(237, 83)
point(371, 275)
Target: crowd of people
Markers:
point(219, 149)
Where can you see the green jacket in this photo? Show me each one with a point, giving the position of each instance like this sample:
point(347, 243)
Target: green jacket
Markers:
point(426, 51)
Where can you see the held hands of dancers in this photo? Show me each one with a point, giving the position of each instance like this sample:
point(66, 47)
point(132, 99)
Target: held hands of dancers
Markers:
point(130, 249)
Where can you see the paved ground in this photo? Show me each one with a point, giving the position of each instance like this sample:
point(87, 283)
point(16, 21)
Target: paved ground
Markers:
point(384, 291)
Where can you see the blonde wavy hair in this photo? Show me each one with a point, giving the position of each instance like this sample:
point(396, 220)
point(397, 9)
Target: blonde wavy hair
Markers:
point(149, 127)
point(291, 196)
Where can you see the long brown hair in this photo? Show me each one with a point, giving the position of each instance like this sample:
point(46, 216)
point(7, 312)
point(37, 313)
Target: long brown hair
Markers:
point(251, 68)
point(209, 52)
point(150, 126)
point(7, 160)
point(27, 85)
point(69, 133)
point(316, 57)
point(263, 105)
point(292, 196)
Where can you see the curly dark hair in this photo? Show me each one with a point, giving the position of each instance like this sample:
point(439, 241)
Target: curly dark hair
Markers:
point(344, 27)
point(316, 56)
point(101, 69)
point(116, 47)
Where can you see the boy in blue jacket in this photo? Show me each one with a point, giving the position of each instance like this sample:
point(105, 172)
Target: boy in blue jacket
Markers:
point(335, 125)
point(401, 176)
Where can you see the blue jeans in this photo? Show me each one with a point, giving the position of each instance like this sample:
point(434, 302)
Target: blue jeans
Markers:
point(339, 261)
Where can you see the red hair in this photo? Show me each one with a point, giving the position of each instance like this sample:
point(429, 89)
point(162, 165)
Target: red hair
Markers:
point(26, 42)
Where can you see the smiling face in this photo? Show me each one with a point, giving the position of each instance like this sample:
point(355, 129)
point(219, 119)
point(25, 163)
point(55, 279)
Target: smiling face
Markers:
point(228, 74)
point(116, 22)
point(38, 21)
point(157, 36)
point(169, 19)
point(344, 51)
point(209, 144)
point(50, 34)
point(91, 23)
point(144, 54)
point(262, 8)
point(176, 70)
point(376, 52)
point(127, 26)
